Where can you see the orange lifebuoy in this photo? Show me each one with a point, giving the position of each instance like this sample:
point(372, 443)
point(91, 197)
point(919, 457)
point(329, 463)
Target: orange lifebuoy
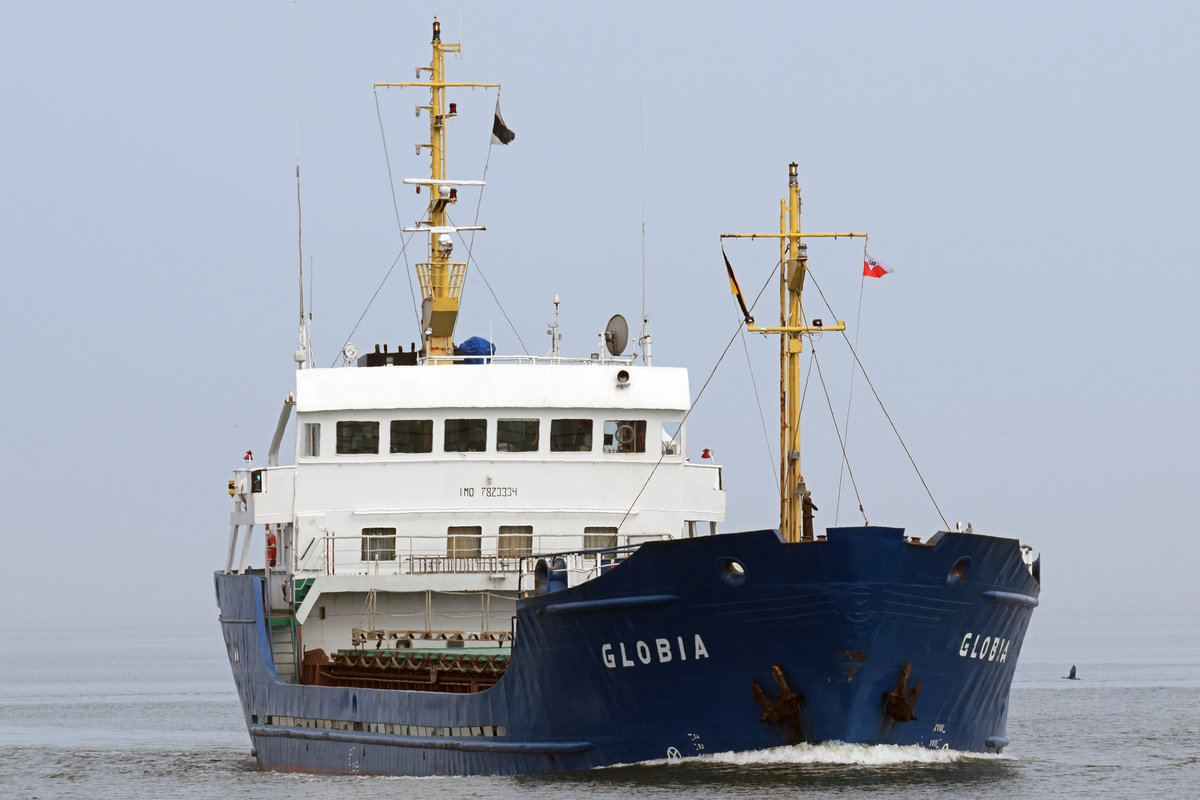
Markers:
point(272, 552)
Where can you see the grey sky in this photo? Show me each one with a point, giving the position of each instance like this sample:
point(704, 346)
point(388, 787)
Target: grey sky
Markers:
point(1027, 168)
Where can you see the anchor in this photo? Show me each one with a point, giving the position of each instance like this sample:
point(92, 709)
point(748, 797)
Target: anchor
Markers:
point(785, 710)
point(898, 703)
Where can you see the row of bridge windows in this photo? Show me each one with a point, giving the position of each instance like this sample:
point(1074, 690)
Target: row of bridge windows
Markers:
point(469, 435)
point(465, 541)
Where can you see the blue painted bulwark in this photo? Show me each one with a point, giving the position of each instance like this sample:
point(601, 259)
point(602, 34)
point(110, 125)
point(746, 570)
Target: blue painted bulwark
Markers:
point(821, 641)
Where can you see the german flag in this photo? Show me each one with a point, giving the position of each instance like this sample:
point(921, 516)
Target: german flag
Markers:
point(737, 291)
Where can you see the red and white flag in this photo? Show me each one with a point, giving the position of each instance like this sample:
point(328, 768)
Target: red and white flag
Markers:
point(873, 267)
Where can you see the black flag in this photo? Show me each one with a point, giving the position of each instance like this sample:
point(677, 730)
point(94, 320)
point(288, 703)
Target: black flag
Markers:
point(500, 132)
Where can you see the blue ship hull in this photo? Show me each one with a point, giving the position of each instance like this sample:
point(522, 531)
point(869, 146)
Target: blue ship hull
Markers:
point(723, 643)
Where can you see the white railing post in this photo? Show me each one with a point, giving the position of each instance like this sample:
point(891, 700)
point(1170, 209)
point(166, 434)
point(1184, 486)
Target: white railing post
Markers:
point(246, 549)
point(233, 534)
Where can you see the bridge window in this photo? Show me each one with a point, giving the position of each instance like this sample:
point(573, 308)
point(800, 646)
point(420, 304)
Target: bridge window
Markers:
point(625, 436)
point(672, 438)
point(595, 538)
point(462, 541)
point(466, 435)
point(516, 435)
point(412, 436)
point(515, 541)
point(378, 544)
point(570, 436)
point(357, 437)
point(310, 440)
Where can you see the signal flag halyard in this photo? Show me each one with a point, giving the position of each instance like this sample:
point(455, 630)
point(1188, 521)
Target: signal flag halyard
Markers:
point(873, 267)
point(737, 292)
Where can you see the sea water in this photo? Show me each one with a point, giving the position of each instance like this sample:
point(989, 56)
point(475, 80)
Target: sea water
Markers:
point(133, 713)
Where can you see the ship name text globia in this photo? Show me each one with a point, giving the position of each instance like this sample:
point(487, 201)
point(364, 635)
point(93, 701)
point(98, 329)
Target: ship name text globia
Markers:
point(660, 650)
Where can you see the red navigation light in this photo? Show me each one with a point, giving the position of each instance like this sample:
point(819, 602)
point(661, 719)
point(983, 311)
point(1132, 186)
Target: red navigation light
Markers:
point(454, 194)
point(418, 188)
point(454, 108)
point(707, 453)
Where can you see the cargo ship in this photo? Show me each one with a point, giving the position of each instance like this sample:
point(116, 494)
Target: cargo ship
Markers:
point(490, 564)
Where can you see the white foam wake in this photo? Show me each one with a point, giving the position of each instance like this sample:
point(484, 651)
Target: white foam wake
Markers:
point(834, 753)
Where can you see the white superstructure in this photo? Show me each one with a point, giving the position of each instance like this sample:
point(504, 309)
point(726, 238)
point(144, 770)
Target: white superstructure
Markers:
point(420, 493)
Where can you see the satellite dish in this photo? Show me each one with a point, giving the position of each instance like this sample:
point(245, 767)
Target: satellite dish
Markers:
point(616, 335)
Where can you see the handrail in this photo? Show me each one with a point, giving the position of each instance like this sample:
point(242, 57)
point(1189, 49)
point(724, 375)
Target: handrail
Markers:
point(437, 554)
point(525, 359)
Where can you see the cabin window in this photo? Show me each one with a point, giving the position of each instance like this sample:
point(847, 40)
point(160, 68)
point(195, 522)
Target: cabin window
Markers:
point(412, 436)
point(570, 436)
point(378, 544)
point(672, 438)
point(515, 541)
point(596, 538)
point(625, 436)
point(466, 435)
point(357, 437)
point(462, 541)
point(516, 435)
point(310, 440)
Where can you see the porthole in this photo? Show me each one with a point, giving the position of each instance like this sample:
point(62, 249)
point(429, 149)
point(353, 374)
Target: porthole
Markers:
point(732, 571)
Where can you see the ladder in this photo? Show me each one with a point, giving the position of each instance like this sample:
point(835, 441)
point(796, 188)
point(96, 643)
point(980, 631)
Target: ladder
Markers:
point(283, 633)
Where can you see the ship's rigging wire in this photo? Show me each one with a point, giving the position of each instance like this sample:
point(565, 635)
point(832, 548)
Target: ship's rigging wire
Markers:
point(841, 442)
point(470, 244)
point(404, 247)
point(699, 394)
point(761, 416)
point(883, 408)
point(395, 207)
point(488, 284)
point(862, 281)
point(378, 288)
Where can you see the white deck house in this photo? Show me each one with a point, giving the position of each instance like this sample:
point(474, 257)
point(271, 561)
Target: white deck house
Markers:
point(417, 490)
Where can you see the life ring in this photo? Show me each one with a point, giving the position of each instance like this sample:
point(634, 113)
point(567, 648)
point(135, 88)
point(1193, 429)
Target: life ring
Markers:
point(272, 550)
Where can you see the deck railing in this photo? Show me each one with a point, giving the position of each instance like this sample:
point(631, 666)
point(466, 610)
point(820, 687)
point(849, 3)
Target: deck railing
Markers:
point(333, 554)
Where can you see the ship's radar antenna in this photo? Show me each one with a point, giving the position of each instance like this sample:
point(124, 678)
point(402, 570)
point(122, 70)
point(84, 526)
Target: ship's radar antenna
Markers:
point(616, 335)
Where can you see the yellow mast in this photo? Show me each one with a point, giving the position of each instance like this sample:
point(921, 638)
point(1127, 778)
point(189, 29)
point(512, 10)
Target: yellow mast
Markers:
point(793, 258)
point(441, 279)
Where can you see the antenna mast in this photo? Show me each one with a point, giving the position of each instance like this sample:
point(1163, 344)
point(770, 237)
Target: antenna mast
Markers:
point(644, 339)
point(441, 279)
point(303, 355)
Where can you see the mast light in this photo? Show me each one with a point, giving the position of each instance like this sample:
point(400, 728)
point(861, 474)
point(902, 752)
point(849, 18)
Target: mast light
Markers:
point(793, 180)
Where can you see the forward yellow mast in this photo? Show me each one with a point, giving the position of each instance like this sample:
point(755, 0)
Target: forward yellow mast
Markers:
point(441, 279)
point(793, 258)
